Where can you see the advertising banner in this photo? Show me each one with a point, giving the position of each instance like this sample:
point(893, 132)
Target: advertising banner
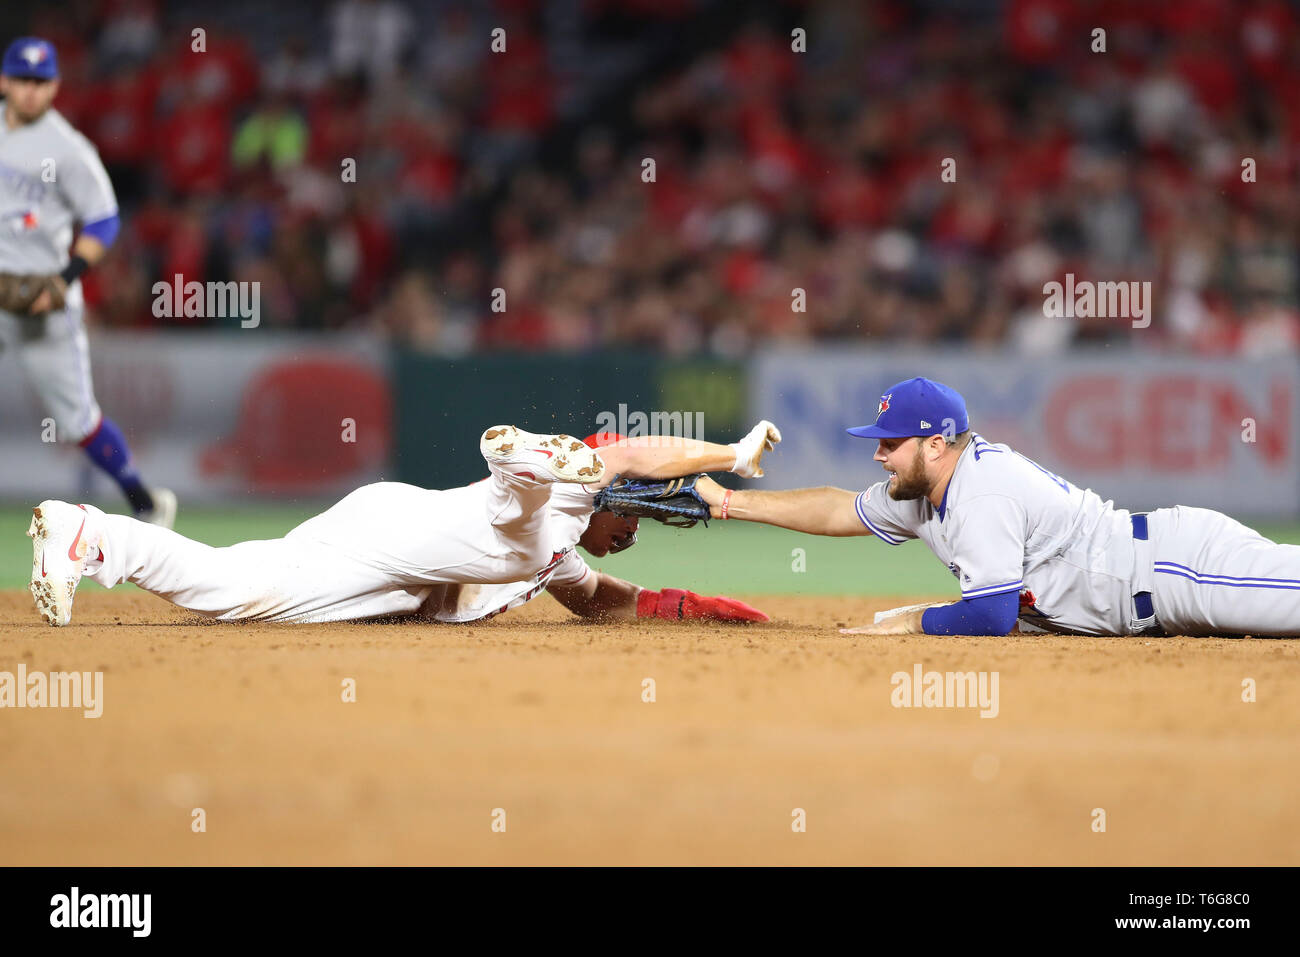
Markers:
point(1142, 430)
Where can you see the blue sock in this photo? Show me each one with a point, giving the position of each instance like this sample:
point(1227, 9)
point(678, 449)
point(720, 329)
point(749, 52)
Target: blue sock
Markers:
point(107, 448)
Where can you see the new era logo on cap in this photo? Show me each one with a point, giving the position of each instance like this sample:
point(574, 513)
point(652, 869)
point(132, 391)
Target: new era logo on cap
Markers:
point(913, 407)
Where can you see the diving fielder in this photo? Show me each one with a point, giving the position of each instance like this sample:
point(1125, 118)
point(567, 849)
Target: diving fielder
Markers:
point(391, 549)
point(50, 178)
point(1029, 546)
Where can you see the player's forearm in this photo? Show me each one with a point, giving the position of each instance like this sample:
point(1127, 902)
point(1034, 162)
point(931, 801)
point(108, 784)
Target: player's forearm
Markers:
point(600, 596)
point(661, 457)
point(816, 511)
point(89, 248)
point(657, 457)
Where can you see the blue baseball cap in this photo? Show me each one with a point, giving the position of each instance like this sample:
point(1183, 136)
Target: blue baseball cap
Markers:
point(917, 407)
point(31, 57)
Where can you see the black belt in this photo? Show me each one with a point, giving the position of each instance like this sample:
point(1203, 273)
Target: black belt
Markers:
point(1142, 602)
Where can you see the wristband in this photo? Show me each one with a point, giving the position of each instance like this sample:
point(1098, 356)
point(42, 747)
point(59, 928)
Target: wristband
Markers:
point(671, 604)
point(726, 503)
point(647, 602)
point(74, 269)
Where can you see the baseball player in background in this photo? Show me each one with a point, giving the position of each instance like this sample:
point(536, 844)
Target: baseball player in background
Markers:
point(51, 178)
point(391, 549)
point(1027, 545)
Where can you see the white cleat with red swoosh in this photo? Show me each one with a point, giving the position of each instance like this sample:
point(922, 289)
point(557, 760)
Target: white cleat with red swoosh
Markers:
point(542, 458)
point(61, 543)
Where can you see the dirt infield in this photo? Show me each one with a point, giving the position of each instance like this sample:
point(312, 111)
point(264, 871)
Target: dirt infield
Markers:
point(542, 716)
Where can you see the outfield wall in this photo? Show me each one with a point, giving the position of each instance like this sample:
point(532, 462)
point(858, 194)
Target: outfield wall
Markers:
point(218, 418)
point(443, 405)
point(252, 415)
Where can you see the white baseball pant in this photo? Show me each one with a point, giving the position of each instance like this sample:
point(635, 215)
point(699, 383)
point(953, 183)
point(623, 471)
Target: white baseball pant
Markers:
point(378, 552)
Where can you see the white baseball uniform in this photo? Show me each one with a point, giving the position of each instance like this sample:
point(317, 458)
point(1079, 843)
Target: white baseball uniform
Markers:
point(386, 549)
point(1007, 524)
point(50, 178)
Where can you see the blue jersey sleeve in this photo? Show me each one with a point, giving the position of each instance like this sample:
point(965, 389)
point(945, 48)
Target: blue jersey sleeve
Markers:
point(990, 615)
point(105, 230)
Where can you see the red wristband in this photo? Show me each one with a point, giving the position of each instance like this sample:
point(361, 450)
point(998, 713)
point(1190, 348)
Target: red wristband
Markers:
point(671, 603)
point(726, 502)
point(647, 602)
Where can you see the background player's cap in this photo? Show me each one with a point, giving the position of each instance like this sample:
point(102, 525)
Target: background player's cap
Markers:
point(31, 57)
point(917, 407)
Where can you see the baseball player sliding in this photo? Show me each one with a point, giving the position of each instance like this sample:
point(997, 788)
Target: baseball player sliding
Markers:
point(50, 178)
point(391, 549)
point(1027, 545)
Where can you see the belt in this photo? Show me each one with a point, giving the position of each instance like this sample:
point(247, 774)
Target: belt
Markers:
point(1146, 622)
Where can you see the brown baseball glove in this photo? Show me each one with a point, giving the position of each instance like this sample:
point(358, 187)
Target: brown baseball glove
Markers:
point(19, 293)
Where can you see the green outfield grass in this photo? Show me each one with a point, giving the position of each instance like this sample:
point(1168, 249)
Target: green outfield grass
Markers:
point(723, 558)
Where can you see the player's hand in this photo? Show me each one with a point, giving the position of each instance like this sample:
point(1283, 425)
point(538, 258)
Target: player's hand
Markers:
point(905, 624)
point(712, 493)
point(679, 604)
point(47, 301)
point(720, 608)
point(749, 450)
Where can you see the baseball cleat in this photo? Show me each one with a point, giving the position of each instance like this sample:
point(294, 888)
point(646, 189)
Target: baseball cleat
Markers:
point(163, 512)
point(60, 547)
point(542, 458)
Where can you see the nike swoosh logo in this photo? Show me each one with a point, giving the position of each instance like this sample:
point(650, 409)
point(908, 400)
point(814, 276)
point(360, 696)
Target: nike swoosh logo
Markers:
point(544, 452)
point(72, 549)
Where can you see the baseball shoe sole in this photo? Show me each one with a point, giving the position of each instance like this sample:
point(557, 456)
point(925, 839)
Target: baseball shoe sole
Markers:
point(59, 550)
point(163, 513)
point(543, 458)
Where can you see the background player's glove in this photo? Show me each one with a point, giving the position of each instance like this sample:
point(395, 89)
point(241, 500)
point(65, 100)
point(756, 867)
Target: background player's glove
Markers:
point(676, 603)
point(18, 293)
point(671, 501)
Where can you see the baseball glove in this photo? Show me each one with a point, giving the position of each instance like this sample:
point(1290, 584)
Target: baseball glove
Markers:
point(19, 293)
point(671, 501)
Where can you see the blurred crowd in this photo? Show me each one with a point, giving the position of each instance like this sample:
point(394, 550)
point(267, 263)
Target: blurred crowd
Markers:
point(794, 195)
point(320, 149)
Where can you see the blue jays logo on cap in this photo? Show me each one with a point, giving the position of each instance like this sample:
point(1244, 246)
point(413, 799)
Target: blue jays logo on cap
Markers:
point(31, 57)
point(917, 407)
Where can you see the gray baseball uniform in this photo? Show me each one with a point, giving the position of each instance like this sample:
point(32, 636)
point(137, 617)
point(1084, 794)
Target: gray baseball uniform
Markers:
point(51, 177)
point(1007, 524)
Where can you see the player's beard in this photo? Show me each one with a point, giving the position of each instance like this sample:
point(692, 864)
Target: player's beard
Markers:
point(911, 484)
point(22, 118)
